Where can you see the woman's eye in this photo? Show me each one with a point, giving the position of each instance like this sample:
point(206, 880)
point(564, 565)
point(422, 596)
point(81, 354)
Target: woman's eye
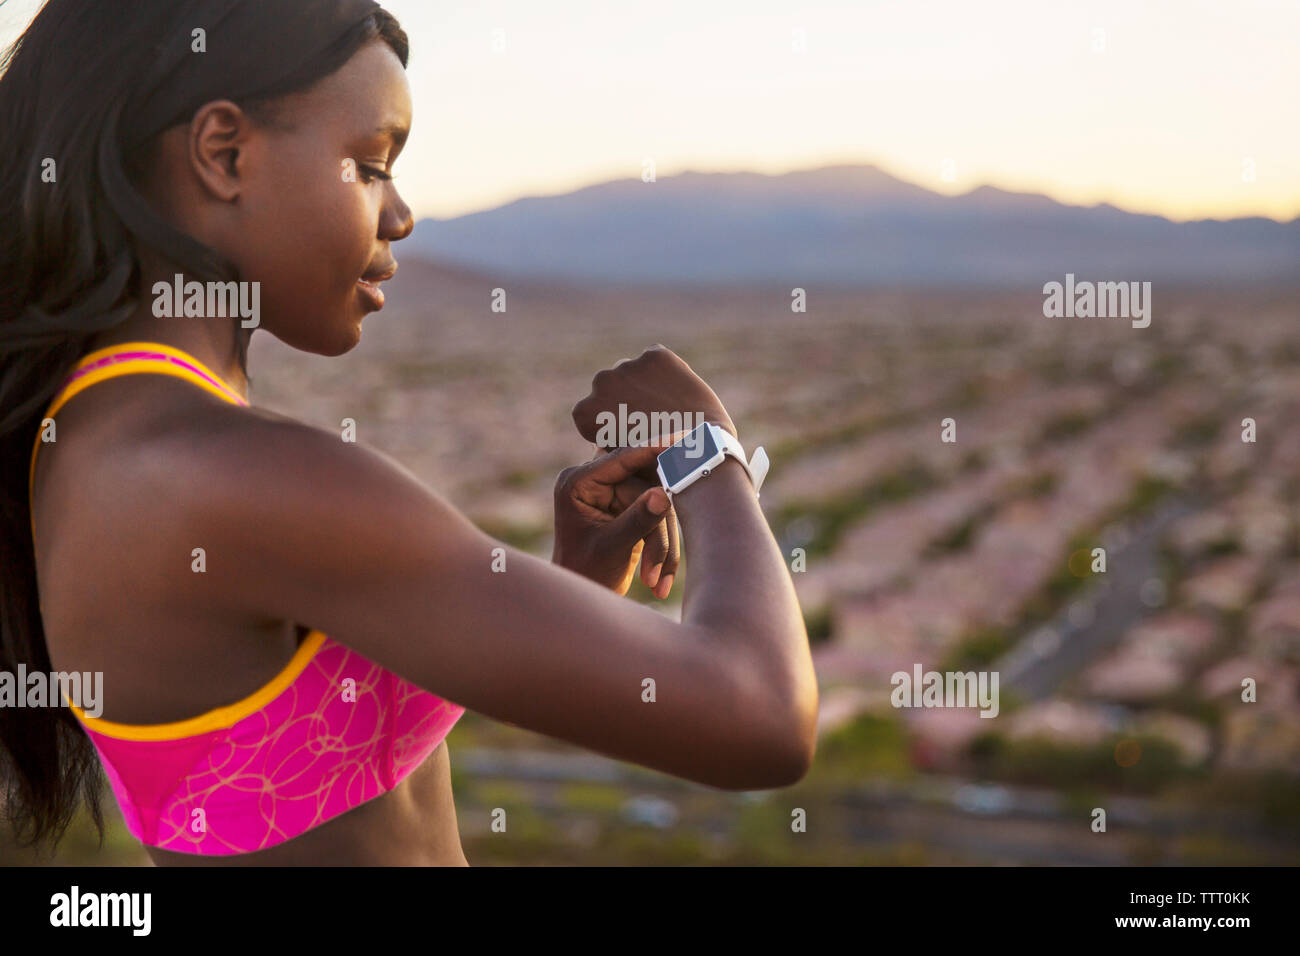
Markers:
point(370, 174)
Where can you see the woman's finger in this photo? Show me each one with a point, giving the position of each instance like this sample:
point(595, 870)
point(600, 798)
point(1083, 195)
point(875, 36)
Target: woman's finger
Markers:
point(623, 463)
point(671, 559)
point(655, 545)
point(625, 492)
point(630, 529)
point(654, 555)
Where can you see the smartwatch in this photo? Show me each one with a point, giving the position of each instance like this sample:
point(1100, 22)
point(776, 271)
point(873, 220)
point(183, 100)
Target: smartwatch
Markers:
point(701, 450)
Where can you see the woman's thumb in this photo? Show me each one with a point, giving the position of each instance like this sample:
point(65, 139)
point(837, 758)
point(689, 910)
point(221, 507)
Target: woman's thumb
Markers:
point(640, 519)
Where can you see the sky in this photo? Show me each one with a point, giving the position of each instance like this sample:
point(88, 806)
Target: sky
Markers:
point(1184, 108)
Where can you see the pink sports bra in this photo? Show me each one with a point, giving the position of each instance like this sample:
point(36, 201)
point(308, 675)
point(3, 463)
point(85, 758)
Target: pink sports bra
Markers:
point(328, 733)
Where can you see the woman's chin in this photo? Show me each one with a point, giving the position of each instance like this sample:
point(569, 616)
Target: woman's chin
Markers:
point(337, 337)
point(349, 340)
point(345, 331)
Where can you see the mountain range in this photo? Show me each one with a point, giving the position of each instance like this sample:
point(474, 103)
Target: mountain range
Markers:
point(844, 225)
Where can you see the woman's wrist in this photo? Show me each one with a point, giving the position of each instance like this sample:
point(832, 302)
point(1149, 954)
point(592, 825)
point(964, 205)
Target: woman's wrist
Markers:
point(724, 423)
point(725, 480)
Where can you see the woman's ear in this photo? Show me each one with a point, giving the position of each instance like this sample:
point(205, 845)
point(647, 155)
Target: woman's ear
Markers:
point(218, 132)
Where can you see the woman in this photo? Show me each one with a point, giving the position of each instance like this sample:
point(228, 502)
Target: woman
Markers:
point(287, 624)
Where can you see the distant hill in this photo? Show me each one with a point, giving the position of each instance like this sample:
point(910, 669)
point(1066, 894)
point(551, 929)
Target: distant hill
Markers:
point(846, 225)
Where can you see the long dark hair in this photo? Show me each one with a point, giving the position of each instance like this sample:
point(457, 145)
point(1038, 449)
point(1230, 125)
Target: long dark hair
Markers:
point(90, 85)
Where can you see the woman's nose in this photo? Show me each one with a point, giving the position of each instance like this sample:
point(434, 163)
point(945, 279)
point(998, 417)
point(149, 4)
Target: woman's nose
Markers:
point(396, 223)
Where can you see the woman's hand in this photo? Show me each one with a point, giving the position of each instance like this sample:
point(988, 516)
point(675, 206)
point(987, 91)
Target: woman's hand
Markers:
point(657, 382)
point(610, 512)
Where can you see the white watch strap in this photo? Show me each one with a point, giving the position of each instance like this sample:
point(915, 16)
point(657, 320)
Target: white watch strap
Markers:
point(730, 445)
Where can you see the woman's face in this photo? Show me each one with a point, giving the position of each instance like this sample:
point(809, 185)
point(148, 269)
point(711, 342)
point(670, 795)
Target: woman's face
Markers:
point(301, 204)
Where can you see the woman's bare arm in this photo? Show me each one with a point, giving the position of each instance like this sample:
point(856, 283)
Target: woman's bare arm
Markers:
point(300, 525)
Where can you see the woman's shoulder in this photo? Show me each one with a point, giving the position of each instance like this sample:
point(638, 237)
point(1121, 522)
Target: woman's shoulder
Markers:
point(280, 507)
point(185, 509)
point(120, 501)
point(145, 468)
point(225, 456)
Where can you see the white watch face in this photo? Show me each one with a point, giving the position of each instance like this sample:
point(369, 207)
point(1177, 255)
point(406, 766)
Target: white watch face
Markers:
point(697, 448)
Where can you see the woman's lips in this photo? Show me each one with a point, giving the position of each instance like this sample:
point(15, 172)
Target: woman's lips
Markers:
point(371, 293)
point(368, 284)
